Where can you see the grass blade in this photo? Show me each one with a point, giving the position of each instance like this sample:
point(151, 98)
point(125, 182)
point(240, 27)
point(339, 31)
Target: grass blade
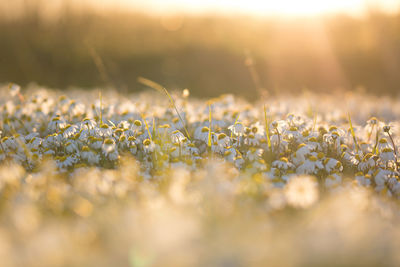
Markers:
point(267, 127)
point(101, 108)
point(209, 125)
point(151, 84)
point(147, 126)
point(162, 89)
point(352, 132)
point(237, 118)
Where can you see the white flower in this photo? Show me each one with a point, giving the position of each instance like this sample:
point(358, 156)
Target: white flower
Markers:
point(383, 144)
point(381, 176)
point(373, 124)
point(292, 133)
point(239, 161)
point(148, 146)
point(90, 156)
point(257, 130)
point(48, 151)
point(108, 146)
point(365, 147)
point(282, 164)
point(392, 182)
point(387, 154)
point(51, 140)
point(278, 125)
point(132, 145)
point(105, 130)
point(75, 108)
point(57, 123)
point(35, 142)
point(351, 159)
point(313, 144)
point(364, 180)
point(177, 137)
point(70, 130)
point(230, 154)
point(254, 154)
point(310, 166)
point(123, 125)
point(303, 150)
point(366, 163)
point(66, 161)
point(333, 136)
point(136, 126)
point(260, 165)
point(237, 129)
point(71, 147)
point(95, 142)
point(30, 136)
point(332, 164)
point(223, 140)
point(201, 133)
point(88, 124)
point(113, 155)
point(277, 139)
point(191, 147)
point(333, 180)
point(301, 191)
point(251, 140)
point(123, 142)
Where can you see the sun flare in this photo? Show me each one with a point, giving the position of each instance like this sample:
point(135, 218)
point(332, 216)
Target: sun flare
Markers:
point(266, 7)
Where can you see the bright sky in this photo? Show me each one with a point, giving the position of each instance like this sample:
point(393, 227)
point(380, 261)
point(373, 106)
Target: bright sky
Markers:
point(260, 7)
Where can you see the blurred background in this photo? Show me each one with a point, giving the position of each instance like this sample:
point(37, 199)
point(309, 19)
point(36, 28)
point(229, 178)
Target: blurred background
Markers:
point(210, 47)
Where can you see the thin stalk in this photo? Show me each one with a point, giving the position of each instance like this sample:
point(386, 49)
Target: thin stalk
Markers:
point(394, 148)
point(101, 107)
point(147, 127)
point(376, 151)
point(209, 124)
point(98, 62)
point(370, 133)
point(161, 89)
point(314, 121)
point(352, 133)
point(237, 118)
point(267, 128)
point(279, 141)
point(249, 62)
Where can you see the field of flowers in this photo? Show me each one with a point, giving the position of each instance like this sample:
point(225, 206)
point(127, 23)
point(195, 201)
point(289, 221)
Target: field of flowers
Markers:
point(153, 179)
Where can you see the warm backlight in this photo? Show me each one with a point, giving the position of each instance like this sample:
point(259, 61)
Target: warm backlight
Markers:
point(266, 7)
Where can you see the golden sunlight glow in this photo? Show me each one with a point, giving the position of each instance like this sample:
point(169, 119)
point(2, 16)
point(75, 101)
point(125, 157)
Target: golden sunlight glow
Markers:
point(265, 7)
point(249, 7)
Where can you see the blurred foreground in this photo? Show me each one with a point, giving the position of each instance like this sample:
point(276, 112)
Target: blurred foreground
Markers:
point(210, 217)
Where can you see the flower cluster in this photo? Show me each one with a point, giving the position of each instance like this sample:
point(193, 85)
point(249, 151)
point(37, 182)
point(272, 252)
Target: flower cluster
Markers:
point(133, 180)
point(77, 134)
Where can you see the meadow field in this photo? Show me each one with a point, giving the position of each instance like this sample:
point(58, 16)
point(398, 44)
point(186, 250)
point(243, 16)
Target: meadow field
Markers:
point(129, 139)
point(93, 178)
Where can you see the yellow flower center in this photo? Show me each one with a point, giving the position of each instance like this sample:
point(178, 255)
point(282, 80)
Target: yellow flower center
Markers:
point(205, 129)
point(313, 158)
point(146, 142)
point(383, 141)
